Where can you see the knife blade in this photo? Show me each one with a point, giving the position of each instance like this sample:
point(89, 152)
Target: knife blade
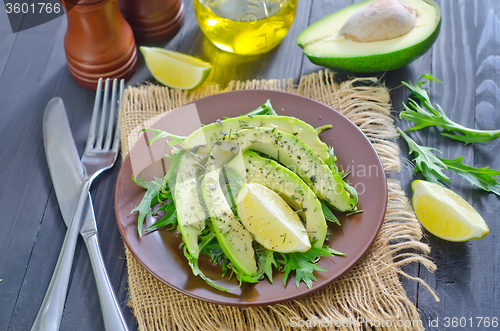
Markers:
point(67, 175)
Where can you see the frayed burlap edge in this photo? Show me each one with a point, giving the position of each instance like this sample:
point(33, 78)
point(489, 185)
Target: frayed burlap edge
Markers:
point(370, 291)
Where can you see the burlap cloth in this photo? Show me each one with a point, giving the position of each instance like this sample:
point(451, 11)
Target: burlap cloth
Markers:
point(371, 290)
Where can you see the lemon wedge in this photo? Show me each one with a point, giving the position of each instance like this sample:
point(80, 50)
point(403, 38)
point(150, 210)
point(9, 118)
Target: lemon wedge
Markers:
point(174, 69)
point(270, 220)
point(445, 214)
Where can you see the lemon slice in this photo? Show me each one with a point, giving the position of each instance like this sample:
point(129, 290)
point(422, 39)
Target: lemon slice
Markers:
point(445, 214)
point(270, 220)
point(175, 70)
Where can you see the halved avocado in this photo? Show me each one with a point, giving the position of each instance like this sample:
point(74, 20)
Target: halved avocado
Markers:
point(218, 130)
point(324, 46)
point(235, 241)
point(190, 213)
point(302, 160)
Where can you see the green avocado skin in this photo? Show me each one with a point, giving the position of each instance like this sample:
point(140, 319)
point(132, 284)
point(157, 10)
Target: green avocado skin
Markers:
point(379, 62)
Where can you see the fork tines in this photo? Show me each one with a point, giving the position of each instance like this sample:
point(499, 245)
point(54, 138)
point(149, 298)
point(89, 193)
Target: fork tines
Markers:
point(107, 110)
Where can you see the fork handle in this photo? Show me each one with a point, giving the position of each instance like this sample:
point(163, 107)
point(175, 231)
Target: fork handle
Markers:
point(111, 312)
point(50, 313)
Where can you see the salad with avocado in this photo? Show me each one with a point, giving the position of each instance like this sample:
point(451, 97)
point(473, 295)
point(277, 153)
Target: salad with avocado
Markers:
point(254, 193)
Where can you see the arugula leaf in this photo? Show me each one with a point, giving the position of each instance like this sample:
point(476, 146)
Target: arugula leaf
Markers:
point(214, 251)
point(425, 161)
point(206, 237)
point(158, 190)
point(176, 140)
point(193, 263)
point(265, 262)
point(210, 245)
point(431, 167)
point(171, 174)
point(304, 265)
point(242, 278)
point(333, 251)
point(153, 188)
point(480, 177)
point(170, 218)
point(428, 115)
point(161, 197)
point(419, 92)
point(265, 109)
point(329, 215)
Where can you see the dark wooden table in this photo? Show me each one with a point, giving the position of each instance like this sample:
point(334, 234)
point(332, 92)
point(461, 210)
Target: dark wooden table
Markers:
point(466, 57)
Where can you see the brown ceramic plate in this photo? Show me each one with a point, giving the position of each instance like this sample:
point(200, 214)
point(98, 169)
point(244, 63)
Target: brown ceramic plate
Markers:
point(159, 253)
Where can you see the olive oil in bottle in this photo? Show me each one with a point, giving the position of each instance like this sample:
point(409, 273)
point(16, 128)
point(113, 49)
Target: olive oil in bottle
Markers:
point(245, 27)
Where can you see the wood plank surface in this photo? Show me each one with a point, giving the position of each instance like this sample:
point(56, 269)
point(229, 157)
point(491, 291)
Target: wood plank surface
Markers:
point(24, 173)
point(465, 279)
point(485, 277)
point(33, 70)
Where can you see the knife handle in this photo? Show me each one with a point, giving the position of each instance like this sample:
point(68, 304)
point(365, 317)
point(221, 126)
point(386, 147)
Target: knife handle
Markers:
point(111, 312)
point(50, 313)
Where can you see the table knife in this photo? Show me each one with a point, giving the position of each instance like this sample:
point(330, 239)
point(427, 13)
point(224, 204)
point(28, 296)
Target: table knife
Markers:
point(67, 175)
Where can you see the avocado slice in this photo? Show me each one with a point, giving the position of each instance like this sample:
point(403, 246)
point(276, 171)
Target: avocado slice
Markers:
point(290, 188)
point(217, 131)
point(235, 241)
point(302, 160)
point(190, 213)
point(325, 46)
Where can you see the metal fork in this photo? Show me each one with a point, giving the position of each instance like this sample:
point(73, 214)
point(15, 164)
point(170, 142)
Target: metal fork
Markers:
point(100, 154)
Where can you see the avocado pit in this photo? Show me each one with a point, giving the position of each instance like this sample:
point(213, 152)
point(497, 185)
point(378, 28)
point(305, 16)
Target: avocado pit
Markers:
point(379, 20)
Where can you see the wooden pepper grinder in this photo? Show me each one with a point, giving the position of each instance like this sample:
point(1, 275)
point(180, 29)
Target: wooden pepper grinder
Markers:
point(153, 21)
point(98, 42)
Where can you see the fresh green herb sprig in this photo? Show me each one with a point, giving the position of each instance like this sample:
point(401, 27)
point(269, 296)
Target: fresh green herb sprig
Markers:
point(170, 217)
point(425, 161)
point(158, 191)
point(265, 109)
point(303, 264)
point(480, 177)
point(151, 198)
point(329, 215)
point(428, 115)
point(432, 167)
point(193, 263)
point(160, 134)
point(265, 262)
